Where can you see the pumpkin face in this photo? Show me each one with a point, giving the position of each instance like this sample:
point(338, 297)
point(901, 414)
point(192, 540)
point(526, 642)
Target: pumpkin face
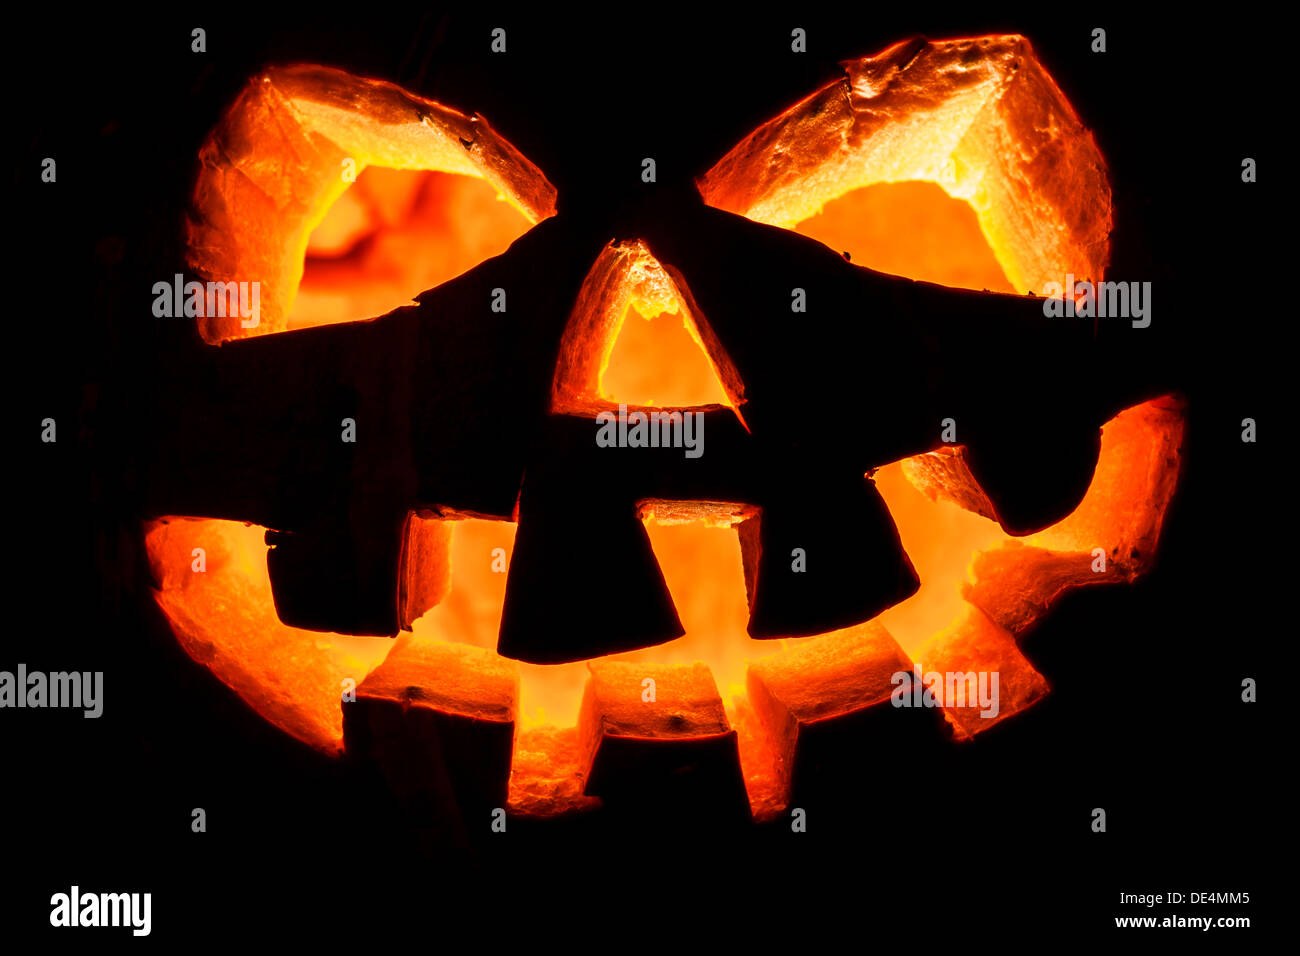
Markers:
point(578, 616)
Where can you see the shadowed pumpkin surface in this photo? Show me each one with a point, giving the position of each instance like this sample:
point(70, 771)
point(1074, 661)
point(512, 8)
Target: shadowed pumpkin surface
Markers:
point(985, 171)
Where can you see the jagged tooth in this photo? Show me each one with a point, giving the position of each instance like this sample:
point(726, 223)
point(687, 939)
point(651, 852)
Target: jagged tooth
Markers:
point(662, 745)
point(546, 777)
point(438, 719)
point(827, 698)
point(975, 644)
point(1122, 514)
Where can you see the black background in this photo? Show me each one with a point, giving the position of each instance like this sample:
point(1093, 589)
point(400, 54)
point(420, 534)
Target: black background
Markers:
point(984, 842)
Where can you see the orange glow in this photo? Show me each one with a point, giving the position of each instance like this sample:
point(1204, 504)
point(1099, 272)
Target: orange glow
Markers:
point(226, 620)
point(701, 565)
point(394, 234)
point(610, 354)
point(224, 617)
point(979, 177)
point(940, 537)
point(289, 147)
point(471, 614)
point(659, 362)
point(941, 243)
point(979, 117)
point(663, 362)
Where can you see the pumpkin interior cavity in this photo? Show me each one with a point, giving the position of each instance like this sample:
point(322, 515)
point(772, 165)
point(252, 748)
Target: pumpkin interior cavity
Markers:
point(978, 119)
point(943, 242)
point(289, 148)
point(393, 234)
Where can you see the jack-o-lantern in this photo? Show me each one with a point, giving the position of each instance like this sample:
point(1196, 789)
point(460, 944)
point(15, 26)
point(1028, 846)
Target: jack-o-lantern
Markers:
point(658, 617)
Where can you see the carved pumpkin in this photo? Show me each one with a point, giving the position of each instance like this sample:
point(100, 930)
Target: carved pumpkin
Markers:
point(550, 686)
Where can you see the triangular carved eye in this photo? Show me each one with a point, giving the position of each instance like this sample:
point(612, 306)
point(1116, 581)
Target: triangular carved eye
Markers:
point(864, 164)
point(378, 193)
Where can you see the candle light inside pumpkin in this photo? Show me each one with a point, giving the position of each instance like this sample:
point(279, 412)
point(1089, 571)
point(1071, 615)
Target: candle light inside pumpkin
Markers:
point(950, 161)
